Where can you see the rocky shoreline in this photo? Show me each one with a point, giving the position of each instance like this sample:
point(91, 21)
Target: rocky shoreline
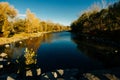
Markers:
point(68, 74)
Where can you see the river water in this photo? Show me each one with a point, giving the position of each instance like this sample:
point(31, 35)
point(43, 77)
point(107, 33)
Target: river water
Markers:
point(61, 50)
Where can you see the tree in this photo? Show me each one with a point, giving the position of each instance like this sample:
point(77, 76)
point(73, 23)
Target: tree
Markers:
point(6, 11)
point(19, 25)
point(32, 22)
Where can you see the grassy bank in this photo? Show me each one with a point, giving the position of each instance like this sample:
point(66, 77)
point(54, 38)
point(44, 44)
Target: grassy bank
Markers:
point(20, 36)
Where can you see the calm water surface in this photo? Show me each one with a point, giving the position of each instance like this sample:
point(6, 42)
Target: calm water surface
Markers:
point(60, 50)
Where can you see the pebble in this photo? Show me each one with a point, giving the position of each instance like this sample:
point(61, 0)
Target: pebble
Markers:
point(7, 45)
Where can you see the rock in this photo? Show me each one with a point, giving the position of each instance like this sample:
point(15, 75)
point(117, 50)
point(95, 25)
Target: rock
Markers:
point(29, 73)
point(1, 66)
point(38, 71)
point(20, 42)
point(7, 45)
point(3, 54)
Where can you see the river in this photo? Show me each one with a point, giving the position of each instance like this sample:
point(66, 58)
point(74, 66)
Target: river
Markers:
point(60, 50)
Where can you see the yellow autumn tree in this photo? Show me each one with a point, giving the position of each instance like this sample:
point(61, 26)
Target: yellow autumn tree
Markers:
point(19, 25)
point(6, 12)
point(32, 22)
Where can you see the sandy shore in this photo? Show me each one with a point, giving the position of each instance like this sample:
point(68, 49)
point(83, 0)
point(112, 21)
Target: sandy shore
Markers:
point(18, 37)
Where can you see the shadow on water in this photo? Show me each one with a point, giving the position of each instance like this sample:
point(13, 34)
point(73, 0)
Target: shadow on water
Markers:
point(104, 51)
point(19, 60)
point(33, 57)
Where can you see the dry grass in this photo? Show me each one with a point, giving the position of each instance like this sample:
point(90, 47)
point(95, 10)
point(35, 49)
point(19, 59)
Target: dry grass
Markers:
point(18, 37)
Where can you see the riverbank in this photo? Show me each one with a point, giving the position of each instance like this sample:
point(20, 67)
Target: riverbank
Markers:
point(68, 74)
point(19, 37)
point(22, 36)
point(74, 74)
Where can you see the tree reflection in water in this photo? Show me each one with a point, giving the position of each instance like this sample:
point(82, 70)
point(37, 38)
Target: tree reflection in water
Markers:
point(102, 50)
point(21, 58)
point(27, 64)
point(30, 57)
point(22, 64)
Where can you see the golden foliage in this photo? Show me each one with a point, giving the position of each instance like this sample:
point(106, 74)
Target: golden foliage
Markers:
point(19, 25)
point(30, 57)
point(32, 22)
point(7, 10)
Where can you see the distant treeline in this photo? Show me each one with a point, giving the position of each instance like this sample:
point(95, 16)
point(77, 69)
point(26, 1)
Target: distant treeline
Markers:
point(95, 21)
point(11, 24)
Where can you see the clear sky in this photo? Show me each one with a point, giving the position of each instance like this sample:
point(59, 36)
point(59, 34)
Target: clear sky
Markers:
point(58, 11)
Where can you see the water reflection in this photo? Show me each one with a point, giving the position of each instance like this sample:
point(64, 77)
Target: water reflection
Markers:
point(20, 58)
point(34, 56)
point(27, 63)
point(104, 51)
point(30, 57)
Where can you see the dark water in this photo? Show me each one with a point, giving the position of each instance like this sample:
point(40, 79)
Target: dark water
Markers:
point(61, 50)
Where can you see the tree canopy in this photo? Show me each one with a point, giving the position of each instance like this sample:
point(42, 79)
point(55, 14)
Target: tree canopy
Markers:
point(10, 23)
point(94, 20)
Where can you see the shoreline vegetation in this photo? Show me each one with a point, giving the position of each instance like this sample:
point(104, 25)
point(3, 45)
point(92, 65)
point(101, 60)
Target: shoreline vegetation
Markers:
point(21, 36)
point(13, 28)
point(100, 25)
point(99, 22)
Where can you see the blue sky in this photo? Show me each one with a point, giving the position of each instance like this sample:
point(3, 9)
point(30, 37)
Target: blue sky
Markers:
point(58, 11)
